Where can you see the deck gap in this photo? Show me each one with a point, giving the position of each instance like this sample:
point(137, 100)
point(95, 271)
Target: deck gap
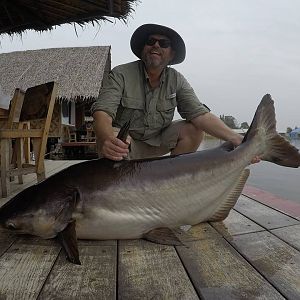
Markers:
point(239, 234)
point(186, 271)
point(291, 245)
point(117, 270)
point(266, 229)
point(251, 219)
point(274, 208)
point(291, 225)
point(48, 275)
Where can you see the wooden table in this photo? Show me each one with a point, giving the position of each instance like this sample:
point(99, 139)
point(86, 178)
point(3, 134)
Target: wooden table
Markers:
point(253, 254)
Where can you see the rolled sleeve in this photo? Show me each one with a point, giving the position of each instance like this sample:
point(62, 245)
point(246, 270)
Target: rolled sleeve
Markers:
point(110, 94)
point(188, 104)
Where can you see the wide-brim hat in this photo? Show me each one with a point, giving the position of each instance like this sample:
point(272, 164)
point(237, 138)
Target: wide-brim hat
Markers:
point(141, 34)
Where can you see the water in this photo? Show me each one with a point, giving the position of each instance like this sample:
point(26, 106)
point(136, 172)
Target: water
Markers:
point(280, 181)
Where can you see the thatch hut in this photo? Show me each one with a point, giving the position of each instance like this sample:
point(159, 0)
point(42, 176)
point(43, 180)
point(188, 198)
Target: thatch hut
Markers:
point(19, 15)
point(79, 72)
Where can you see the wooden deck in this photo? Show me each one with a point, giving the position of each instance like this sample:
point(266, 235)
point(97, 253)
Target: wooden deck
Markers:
point(253, 254)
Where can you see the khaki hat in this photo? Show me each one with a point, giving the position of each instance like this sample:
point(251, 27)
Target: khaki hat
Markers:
point(140, 36)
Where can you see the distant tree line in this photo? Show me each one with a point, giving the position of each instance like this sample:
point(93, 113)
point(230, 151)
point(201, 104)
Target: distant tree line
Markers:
point(231, 122)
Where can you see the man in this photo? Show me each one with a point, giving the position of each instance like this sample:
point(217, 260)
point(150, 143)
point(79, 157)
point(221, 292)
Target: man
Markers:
point(146, 93)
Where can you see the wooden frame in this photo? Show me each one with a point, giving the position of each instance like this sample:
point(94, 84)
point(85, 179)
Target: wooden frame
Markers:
point(38, 104)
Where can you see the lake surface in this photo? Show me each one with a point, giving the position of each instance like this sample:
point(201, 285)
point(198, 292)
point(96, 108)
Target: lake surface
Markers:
point(281, 181)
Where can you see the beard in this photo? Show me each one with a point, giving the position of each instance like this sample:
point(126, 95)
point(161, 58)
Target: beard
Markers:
point(153, 62)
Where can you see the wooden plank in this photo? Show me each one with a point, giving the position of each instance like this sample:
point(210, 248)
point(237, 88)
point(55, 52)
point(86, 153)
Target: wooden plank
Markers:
point(203, 231)
point(262, 214)
point(219, 272)
point(290, 234)
point(25, 266)
point(151, 271)
point(6, 240)
point(287, 206)
point(235, 224)
point(94, 279)
point(275, 259)
point(4, 166)
point(20, 133)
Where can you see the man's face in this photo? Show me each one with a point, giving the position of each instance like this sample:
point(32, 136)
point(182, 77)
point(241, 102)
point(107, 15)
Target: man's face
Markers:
point(157, 52)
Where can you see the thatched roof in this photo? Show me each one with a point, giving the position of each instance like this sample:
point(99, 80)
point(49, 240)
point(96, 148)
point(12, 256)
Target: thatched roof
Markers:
point(19, 15)
point(79, 71)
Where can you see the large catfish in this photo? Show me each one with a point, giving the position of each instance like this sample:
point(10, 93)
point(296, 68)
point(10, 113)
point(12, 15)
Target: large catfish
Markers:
point(101, 199)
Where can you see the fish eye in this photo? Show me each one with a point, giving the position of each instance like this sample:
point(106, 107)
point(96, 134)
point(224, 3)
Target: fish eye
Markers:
point(11, 226)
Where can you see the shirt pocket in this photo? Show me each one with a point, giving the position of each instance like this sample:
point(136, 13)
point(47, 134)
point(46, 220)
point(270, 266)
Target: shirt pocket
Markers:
point(166, 108)
point(130, 109)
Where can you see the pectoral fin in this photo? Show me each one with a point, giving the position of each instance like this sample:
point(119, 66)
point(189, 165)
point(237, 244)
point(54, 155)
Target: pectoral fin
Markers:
point(68, 241)
point(165, 236)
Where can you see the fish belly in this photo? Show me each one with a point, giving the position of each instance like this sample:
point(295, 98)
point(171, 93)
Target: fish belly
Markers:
point(129, 211)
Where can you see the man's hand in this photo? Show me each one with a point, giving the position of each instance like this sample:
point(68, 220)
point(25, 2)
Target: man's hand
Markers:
point(237, 140)
point(114, 149)
point(109, 145)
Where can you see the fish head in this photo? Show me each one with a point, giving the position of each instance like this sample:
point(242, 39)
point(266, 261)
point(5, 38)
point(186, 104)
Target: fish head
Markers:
point(37, 211)
point(19, 224)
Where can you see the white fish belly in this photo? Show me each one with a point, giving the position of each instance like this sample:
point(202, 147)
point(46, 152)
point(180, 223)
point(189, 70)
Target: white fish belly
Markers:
point(128, 211)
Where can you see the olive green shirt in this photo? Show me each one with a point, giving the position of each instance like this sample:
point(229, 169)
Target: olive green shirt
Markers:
point(126, 95)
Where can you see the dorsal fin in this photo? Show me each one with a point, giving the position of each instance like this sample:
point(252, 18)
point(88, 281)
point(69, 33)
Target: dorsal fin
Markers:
point(233, 196)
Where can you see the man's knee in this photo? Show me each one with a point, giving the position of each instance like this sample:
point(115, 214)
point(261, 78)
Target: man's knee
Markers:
point(191, 134)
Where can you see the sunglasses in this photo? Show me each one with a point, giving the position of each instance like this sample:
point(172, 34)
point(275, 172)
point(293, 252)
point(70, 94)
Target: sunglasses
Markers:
point(163, 43)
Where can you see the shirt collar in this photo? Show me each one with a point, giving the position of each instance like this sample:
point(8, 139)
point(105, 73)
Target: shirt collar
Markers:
point(162, 76)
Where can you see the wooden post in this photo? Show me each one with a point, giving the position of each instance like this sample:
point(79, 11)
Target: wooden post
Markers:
point(5, 162)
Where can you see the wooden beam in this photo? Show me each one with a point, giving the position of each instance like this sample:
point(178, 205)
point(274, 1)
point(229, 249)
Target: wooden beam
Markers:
point(235, 224)
point(25, 266)
point(94, 279)
point(277, 261)
point(219, 272)
point(262, 214)
point(290, 235)
point(20, 133)
point(151, 271)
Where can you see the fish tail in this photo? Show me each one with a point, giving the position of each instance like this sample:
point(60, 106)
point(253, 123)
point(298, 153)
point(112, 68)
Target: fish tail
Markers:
point(275, 148)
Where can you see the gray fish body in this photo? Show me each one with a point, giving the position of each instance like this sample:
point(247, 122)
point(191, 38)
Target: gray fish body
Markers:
point(102, 199)
point(149, 194)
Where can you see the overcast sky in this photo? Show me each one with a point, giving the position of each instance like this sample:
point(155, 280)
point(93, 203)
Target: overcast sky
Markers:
point(237, 51)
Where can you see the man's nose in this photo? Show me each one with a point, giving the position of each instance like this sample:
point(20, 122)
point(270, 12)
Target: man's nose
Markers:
point(157, 45)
